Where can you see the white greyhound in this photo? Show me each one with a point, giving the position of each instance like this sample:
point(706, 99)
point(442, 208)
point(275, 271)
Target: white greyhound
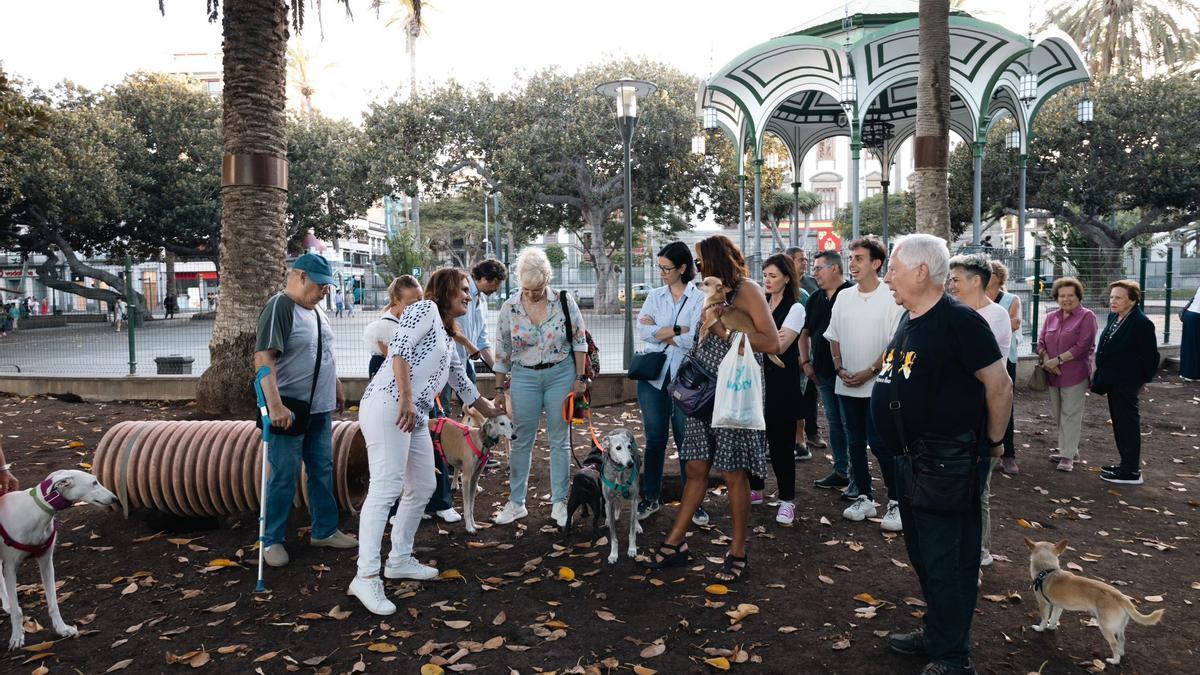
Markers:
point(28, 528)
point(619, 482)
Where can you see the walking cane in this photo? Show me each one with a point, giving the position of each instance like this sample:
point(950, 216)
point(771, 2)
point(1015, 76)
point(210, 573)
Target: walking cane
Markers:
point(262, 373)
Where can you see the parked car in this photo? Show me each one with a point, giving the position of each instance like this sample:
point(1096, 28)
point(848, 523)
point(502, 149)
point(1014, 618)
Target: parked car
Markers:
point(640, 292)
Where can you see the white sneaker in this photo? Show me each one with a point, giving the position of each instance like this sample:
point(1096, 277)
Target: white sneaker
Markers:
point(274, 555)
point(985, 558)
point(786, 514)
point(559, 514)
point(449, 515)
point(369, 592)
point(860, 510)
point(509, 513)
point(891, 519)
point(408, 568)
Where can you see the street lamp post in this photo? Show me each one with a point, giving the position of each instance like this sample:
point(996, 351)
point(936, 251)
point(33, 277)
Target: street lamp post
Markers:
point(626, 93)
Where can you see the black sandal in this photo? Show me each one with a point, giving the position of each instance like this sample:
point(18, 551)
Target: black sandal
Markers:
point(670, 555)
point(733, 568)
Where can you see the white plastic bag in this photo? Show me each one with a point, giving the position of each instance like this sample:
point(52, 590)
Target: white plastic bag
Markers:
point(739, 397)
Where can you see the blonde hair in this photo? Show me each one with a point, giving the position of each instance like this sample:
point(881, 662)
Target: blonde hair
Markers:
point(1000, 274)
point(533, 268)
point(398, 286)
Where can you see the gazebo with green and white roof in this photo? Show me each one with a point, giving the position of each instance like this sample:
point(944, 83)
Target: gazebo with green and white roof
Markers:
point(856, 76)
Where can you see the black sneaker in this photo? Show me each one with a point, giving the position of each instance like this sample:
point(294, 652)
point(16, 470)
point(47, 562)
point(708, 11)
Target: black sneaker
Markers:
point(832, 481)
point(1122, 476)
point(947, 669)
point(1110, 468)
point(909, 644)
point(647, 508)
point(802, 453)
point(850, 494)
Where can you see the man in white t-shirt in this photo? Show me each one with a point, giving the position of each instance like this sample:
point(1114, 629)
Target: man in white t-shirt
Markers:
point(968, 282)
point(863, 322)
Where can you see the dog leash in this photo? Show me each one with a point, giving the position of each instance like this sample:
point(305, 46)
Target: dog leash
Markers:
point(573, 420)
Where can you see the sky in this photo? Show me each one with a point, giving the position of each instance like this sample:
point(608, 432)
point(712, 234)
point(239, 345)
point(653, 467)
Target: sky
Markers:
point(96, 43)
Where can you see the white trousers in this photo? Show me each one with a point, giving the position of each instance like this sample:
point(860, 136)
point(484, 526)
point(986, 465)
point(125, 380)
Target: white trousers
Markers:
point(401, 466)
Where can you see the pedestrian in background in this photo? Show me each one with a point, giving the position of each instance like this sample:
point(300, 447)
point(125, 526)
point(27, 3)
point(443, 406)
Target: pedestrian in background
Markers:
point(1126, 361)
point(1189, 349)
point(339, 301)
point(997, 290)
point(667, 325)
point(1065, 351)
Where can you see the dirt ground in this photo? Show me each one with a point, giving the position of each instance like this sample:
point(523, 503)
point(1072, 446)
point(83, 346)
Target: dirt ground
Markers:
point(150, 600)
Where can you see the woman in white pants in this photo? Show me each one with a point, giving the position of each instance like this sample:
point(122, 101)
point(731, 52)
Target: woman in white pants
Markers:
point(394, 415)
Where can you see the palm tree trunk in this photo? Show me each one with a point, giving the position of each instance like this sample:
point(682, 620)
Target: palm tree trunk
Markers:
point(931, 145)
point(253, 230)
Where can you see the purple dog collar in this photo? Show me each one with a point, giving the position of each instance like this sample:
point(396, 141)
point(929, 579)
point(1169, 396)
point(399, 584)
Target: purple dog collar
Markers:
point(47, 494)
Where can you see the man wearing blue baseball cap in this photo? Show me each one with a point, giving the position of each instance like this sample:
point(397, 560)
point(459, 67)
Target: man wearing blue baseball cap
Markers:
point(295, 342)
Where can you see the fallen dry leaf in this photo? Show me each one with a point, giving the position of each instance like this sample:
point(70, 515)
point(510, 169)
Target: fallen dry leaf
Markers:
point(382, 647)
point(1153, 598)
point(199, 660)
point(119, 665)
point(457, 625)
point(653, 650)
point(716, 589)
point(218, 609)
point(606, 616)
point(719, 662)
point(566, 574)
point(868, 598)
point(431, 669)
point(824, 579)
point(266, 657)
point(338, 613)
point(500, 619)
point(743, 610)
point(788, 629)
point(643, 670)
point(841, 644)
point(450, 575)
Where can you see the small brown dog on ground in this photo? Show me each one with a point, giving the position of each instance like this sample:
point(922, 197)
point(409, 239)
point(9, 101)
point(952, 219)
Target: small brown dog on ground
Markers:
point(733, 319)
point(466, 447)
point(1057, 589)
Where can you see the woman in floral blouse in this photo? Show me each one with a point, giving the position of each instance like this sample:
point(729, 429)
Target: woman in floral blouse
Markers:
point(545, 366)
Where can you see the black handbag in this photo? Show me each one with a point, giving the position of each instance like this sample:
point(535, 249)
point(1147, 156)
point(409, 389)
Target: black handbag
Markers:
point(938, 474)
point(299, 407)
point(647, 365)
point(694, 389)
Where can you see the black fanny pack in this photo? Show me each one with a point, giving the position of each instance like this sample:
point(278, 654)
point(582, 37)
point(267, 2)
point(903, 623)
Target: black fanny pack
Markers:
point(300, 408)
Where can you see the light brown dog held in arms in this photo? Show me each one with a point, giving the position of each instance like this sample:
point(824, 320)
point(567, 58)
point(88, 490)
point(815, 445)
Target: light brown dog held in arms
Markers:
point(733, 319)
point(1057, 589)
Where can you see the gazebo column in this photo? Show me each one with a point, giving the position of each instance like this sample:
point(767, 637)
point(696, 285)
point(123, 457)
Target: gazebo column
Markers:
point(1023, 163)
point(884, 184)
point(977, 193)
point(742, 212)
point(795, 228)
point(856, 219)
point(757, 212)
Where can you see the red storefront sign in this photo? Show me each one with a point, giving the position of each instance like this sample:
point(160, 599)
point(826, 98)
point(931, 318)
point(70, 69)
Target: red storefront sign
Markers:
point(828, 241)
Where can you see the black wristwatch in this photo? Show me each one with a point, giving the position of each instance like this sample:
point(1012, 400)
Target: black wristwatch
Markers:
point(676, 329)
point(584, 379)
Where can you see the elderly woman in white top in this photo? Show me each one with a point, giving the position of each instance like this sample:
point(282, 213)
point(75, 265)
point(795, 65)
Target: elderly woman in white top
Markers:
point(545, 365)
point(394, 416)
point(666, 324)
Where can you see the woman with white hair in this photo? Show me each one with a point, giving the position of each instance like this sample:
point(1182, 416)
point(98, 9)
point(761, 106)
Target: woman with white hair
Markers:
point(542, 365)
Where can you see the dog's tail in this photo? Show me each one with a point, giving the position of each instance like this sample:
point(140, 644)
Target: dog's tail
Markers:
point(1144, 619)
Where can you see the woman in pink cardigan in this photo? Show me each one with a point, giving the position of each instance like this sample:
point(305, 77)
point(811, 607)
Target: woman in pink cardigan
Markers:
point(1066, 350)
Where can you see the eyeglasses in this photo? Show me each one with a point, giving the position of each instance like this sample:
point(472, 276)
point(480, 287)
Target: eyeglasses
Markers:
point(818, 268)
point(665, 270)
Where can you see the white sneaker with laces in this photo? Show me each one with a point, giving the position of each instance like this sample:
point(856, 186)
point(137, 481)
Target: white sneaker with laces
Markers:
point(408, 568)
point(860, 510)
point(786, 514)
point(369, 591)
point(449, 515)
point(559, 513)
point(509, 513)
point(891, 519)
point(985, 558)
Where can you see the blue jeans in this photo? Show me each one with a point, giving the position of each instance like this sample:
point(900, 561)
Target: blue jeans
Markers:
point(837, 429)
point(658, 413)
point(944, 552)
point(315, 447)
point(860, 430)
point(534, 392)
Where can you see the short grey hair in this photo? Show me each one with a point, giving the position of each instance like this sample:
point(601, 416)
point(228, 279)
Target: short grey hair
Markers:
point(925, 249)
point(533, 268)
point(976, 265)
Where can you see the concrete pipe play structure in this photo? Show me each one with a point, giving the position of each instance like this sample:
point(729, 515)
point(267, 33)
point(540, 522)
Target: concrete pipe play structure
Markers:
point(211, 468)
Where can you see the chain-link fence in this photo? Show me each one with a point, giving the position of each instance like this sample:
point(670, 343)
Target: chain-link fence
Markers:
point(83, 339)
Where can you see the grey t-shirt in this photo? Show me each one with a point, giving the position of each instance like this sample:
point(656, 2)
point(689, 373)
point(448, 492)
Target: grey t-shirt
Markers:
point(291, 330)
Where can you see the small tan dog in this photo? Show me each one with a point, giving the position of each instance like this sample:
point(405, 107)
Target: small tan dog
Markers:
point(1057, 589)
point(466, 446)
point(733, 319)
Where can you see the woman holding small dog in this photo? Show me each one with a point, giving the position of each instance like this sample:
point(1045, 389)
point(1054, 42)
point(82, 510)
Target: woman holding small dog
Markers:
point(667, 324)
point(1126, 360)
point(394, 415)
point(736, 453)
point(544, 363)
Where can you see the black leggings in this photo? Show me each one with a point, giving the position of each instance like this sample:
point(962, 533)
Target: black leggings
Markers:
point(808, 409)
point(781, 439)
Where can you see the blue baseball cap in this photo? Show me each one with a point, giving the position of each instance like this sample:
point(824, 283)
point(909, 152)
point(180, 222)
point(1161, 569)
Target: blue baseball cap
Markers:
point(316, 267)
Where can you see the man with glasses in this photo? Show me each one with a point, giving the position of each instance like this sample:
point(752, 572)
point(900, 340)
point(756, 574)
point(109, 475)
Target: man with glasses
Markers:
point(817, 360)
point(295, 342)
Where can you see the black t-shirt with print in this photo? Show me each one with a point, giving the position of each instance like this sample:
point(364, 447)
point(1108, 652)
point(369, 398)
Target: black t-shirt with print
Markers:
point(817, 313)
point(933, 360)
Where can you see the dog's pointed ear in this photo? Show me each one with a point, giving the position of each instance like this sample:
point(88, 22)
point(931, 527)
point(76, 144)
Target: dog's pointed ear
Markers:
point(1060, 547)
point(1030, 543)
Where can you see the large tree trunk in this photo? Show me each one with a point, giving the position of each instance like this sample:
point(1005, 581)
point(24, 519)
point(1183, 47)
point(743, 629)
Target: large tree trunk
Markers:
point(253, 229)
point(605, 301)
point(931, 145)
point(170, 291)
